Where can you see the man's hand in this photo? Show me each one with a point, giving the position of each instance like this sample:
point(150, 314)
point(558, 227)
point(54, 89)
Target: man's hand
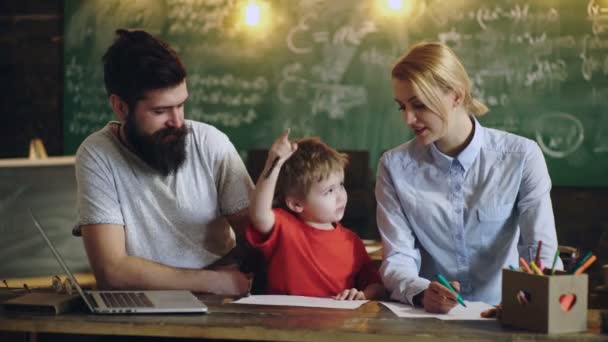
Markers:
point(439, 299)
point(350, 294)
point(231, 282)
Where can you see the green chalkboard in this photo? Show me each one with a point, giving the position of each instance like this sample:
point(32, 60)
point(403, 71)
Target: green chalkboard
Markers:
point(322, 68)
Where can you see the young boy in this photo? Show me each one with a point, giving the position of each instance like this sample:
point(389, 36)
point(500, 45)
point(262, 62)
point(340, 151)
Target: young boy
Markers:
point(307, 251)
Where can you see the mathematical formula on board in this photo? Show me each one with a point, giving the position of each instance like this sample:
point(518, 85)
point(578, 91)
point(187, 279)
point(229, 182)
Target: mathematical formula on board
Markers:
point(318, 65)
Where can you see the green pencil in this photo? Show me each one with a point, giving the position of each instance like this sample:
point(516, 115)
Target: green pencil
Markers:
point(554, 262)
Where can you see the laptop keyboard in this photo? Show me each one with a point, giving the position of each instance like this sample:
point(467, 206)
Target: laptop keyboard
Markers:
point(126, 300)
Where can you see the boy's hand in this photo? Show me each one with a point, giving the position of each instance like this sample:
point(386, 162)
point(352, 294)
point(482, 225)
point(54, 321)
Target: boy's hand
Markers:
point(350, 294)
point(260, 207)
point(282, 148)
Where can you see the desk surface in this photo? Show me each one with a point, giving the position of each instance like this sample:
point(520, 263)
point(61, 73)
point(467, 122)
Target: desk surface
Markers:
point(227, 320)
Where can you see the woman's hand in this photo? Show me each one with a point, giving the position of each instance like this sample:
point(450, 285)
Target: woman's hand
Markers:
point(494, 312)
point(439, 299)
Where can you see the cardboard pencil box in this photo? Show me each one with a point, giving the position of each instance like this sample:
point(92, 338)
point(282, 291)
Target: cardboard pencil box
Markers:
point(549, 304)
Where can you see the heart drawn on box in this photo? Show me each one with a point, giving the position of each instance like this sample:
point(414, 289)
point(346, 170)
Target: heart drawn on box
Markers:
point(523, 297)
point(567, 301)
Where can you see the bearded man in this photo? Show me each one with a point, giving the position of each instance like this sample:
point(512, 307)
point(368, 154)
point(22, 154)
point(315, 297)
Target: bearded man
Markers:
point(158, 194)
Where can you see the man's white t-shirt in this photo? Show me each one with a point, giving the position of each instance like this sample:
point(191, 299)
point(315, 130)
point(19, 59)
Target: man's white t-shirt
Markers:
point(176, 220)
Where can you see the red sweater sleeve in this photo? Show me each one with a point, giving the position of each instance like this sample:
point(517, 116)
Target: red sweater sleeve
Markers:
point(266, 243)
point(368, 272)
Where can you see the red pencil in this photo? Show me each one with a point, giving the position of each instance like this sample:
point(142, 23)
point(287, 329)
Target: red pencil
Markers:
point(537, 259)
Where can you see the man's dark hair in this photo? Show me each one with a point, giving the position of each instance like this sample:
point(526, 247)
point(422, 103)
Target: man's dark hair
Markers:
point(136, 63)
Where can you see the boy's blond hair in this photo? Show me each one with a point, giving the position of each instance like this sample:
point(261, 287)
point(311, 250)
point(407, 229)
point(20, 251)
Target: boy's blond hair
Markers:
point(312, 162)
point(434, 69)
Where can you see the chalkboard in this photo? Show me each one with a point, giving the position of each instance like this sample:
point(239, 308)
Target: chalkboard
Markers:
point(322, 68)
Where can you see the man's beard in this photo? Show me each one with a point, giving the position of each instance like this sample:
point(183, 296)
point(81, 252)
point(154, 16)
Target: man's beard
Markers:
point(164, 157)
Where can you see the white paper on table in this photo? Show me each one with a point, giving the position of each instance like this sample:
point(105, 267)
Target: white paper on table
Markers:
point(372, 249)
point(471, 312)
point(372, 246)
point(313, 302)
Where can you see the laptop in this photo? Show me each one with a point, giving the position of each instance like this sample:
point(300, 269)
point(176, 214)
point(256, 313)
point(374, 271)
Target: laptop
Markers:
point(121, 302)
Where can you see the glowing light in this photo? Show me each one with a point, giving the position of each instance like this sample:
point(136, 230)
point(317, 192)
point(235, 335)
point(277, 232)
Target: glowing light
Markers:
point(395, 5)
point(395, 8)
point(253, 14)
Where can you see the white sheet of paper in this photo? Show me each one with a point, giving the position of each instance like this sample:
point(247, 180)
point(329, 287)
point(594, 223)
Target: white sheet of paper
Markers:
point(372, 246)
point(312, 302)
point(471, 312)
point(372, 249)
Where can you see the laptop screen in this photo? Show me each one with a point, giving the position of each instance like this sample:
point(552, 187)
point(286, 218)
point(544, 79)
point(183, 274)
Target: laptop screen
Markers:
point(61, 262)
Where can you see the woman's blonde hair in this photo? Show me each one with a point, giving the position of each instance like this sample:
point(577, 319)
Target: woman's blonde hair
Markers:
point(434, 69)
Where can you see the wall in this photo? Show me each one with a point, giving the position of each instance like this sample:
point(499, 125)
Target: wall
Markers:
point(581, 216)
point(31, 65)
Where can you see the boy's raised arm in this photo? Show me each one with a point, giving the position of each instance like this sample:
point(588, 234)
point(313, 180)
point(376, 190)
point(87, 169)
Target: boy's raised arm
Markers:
point(260, 208)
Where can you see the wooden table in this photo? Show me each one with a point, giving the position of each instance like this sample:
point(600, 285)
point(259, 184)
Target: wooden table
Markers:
point(225, 320)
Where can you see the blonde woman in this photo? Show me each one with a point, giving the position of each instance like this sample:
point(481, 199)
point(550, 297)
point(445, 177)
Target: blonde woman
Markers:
point(460, 199)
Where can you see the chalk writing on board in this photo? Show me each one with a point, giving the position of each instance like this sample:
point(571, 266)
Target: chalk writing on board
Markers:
point(301, 40)
point(500, 100)
point(546, 71)
point(332, 66)
point(226, 118)
point(331, 98)
point(97, 21)
point(481, 92)
point(376, 57)
point(230, 100)
point(509, 123)
point(337, 99)
point(485, 16)
point(545, 44)
point(200, 78)
point(225, 99)
point(291, 87)
point(83, 127)
point(593, 63)
point(200, 17)
point(559, 134)
point(598, 15)
point(530, 38)
point(321, 84)
point(453, 37)
point(601, 136)
point(88, 99)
